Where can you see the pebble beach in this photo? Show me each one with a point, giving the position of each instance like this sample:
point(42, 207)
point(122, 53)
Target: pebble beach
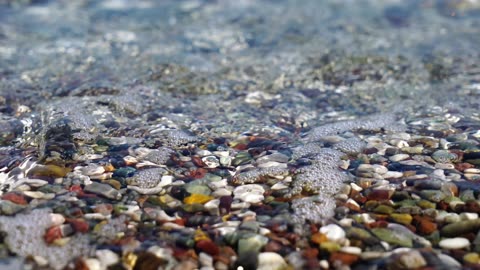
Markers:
point(271, 135)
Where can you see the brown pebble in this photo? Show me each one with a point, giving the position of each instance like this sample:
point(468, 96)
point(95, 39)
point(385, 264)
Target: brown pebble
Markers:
point(472, 206)
point(424, 225)
point(463, 166)
point(379, 195)
point(357, 196)
point(344, 258)
point(310, 253)
point(208, 247)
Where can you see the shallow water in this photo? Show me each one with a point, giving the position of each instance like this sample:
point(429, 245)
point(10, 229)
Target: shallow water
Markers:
point(76, 73)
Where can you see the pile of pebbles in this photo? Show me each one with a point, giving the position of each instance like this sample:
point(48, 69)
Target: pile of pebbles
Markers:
point(395, 192)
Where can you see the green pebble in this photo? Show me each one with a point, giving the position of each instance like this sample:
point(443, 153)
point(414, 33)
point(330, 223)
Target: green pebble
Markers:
point(10, 208)
point(198, 189)
point(467, 195)
point(384, 209)
point(392, 237)
point(241, 158)
point(434, 237)
point(450, 199)
point(412, 210)
point(251, 244)
point(433, 195)
point(461, 227)
point(406, 203)
point(52, 189)
point(426, 204)
point(251, 226)
point(330, 246)
point(359, 233)
point(401, 218)
point(100, 148)
point(124, 172)
point(231, 238)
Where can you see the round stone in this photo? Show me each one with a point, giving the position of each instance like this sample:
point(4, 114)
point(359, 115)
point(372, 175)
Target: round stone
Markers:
point(333, 232)
point(351, 250)
point(454, 243)
point(271, 260)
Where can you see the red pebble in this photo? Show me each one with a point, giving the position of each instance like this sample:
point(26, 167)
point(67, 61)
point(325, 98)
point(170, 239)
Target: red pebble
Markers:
point(81, 265)
point(198, 161)
point(240, 146)
point(310, 253)
point(208, 247)
point(379, 195)
point(463, 166)
point(79, 225)
point(52, 234)
point(378, 224)
point(345, 258)
point(180, 221)
point(14, 198)
point(198, 173)
point(76, 188)
point(424, 225)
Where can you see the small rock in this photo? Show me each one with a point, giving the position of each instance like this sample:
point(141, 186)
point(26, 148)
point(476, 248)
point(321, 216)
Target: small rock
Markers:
point(454, 243)
point(399, 157)
point(107, 257)
point(333, 232)
point(461, 227)
point(271, 261)
point(412, 259)
point(103, 190)
point(211, 161)
point(197, 198)
point(392, 237)
point(344, 258)
point(251, 193)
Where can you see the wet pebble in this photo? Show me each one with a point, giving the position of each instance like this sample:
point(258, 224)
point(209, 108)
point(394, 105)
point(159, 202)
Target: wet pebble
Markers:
point(454, 243)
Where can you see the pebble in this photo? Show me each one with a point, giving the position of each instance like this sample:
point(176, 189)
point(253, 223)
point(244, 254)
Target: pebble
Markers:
point(333, 232)
point(205, 260)
point(271, 261)
point(93, 264)
point(211, 161)
point(250, 193)
point(411, 259)
point(392, 237)
point(454, 243)
point(351, 250)
point(460, 227)
point(103, 190)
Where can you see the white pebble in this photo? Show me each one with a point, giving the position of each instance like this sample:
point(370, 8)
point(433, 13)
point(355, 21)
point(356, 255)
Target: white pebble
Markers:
point(333, 232)
point(218, 184)
point(392, 174)
point(270, 261)
point(351, 250)
point(56, 219)
point(279, 186)
point(107, 257)
point(472, 170)
point(205, 259)
point(468, 216)
point(454, 243)
point(93, 264)
point(212, 207)
point(221, 192)
point(399, 157)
